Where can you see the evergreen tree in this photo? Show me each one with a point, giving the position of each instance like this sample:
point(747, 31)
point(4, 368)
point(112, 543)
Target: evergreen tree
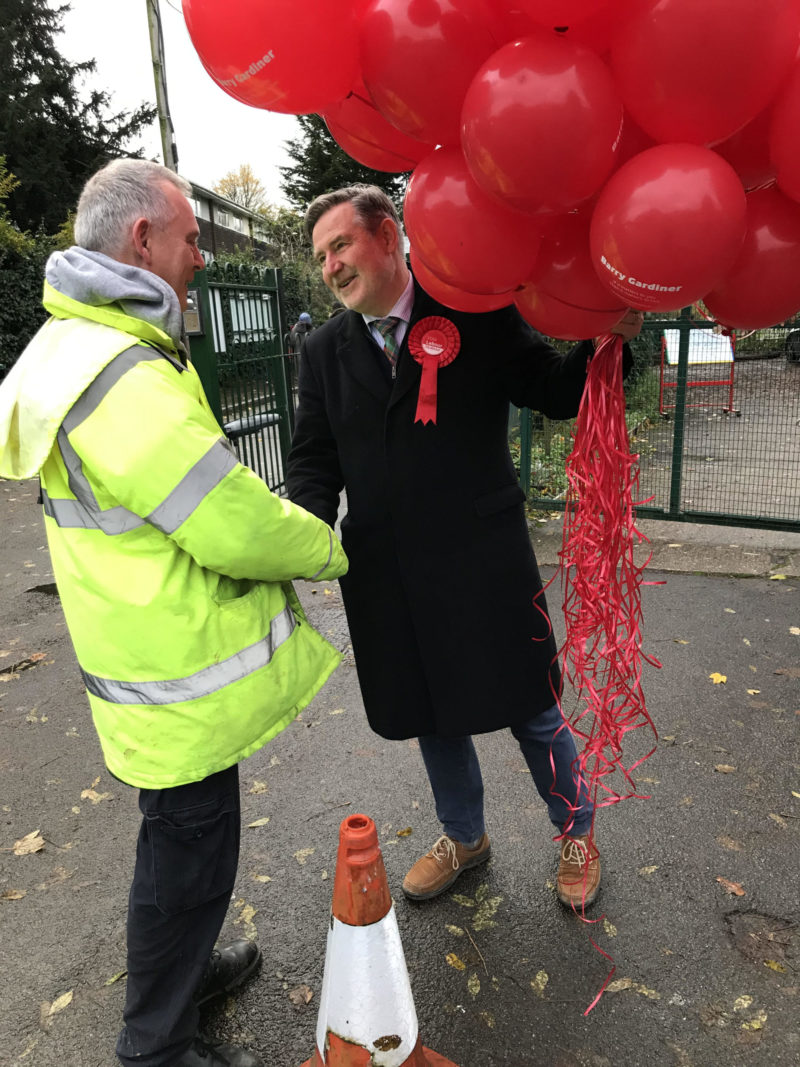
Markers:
point(53, 139)
point(321, 166)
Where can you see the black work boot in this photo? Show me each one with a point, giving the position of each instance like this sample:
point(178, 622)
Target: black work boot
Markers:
point(228, 968)
point(205, 1054)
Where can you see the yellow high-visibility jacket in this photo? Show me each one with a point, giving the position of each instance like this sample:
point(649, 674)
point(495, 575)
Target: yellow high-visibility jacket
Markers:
point(172, 560)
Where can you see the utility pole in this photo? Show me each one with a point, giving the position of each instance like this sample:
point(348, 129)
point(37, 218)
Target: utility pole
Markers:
point(168, 148)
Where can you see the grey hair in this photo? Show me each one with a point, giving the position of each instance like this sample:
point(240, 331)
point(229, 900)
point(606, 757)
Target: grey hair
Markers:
point(371, 205)
point(121, 192)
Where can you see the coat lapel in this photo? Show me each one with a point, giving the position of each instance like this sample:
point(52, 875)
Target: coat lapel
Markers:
point(359, 356)
point(409, 372)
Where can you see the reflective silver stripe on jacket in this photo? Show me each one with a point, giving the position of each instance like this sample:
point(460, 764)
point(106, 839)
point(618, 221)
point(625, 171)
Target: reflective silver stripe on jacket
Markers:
point(85, 512)
point(202, 683)
point(330, 555)
point(193, 488)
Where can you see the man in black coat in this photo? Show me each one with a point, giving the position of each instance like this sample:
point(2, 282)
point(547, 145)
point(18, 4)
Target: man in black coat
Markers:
point(443, 597)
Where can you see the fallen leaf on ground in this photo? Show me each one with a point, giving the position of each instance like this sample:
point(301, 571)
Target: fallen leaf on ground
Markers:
point(456, 931)
point(757, 1023)
point(777, 577)
point(778, 819)
point(795, 631)
point(474, 984)
point(609, 928)
point(115, 977)
point(717, 678)
point(455, 962)
point(301, 995)
point(465, 902)
point(644, 871)
point(775, 966)
point(539, 983)
point(13, 894)
point(794, 794)
point(678, 641)
point(60, 1003)
point(628, 983)
point(258, 787)
point(753, 692)
point(742, 1003)
point(730, 611)
point(724, 768)
point(302, 855)
point(90, 794)
point(261, 878)
point(32, 842)
point(258, 822)
point(730, 844)
point(405, 833)
point(731, 887)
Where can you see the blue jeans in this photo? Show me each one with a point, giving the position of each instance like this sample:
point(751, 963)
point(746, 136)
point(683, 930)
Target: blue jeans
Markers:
point(457, 784)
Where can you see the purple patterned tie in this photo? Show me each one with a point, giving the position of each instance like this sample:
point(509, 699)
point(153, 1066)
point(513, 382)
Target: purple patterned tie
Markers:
point(386, 328)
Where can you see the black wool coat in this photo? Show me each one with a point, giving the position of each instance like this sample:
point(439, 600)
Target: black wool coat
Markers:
point(440, 595)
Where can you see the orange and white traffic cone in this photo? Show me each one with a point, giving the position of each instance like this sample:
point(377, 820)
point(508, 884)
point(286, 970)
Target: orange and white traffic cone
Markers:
point(366, 1012)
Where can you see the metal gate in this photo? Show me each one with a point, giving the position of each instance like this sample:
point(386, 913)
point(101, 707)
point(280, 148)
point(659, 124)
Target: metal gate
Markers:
point(724, 448)
point(237, 346)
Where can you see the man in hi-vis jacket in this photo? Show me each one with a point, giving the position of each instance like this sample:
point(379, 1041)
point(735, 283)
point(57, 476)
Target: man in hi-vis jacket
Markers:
point(173, 563)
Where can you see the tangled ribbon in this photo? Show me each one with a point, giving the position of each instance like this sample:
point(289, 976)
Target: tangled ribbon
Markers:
point(602, 653)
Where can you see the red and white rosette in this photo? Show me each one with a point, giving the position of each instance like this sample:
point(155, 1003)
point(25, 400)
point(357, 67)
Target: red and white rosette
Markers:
point(434, 342)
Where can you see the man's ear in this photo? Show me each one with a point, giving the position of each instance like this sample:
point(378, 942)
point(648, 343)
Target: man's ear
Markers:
point(141, 235)
point(388, 231)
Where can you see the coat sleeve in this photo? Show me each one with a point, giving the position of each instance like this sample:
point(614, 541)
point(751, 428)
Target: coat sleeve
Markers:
point(152, 448)
point(314, 475)
point(534, 373)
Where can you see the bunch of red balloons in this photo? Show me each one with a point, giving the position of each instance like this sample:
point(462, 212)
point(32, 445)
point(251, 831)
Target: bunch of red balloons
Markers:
point(576, 157)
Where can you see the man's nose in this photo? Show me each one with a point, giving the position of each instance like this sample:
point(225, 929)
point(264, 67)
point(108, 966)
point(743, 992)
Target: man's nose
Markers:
point(199, 262)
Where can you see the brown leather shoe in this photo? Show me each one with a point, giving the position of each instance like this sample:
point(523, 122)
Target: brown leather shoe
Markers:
point(439, 868)
point(578, 881)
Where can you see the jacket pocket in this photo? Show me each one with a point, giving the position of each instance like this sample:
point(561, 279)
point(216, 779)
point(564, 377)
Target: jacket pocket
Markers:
point(195, 854)
point(499, 500)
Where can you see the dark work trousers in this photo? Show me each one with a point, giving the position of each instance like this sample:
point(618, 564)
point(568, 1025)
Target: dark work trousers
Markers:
point(186, 859)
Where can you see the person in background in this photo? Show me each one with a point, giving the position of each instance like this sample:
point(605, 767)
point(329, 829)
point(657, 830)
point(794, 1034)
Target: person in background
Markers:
point(297, 336)
point(443, 597)
point(173, 564)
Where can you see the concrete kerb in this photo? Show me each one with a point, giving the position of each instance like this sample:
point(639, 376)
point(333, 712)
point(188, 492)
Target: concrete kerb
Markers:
point(692, 548)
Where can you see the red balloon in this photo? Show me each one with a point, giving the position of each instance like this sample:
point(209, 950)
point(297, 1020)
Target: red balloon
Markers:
point(587, 22)
point(359, 128)
point(540, 124)
point(277, 55)
point(783, 136)
point(466, 238)
point(699, 70)
point(554, 318)
point(668, 226)
point(564, 268)
point(559, 12)
point(763, 288)
point(419, 56)
point(451, 297)
point(748, 151)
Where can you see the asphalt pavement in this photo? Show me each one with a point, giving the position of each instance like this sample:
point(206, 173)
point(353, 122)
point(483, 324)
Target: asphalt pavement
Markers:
point(700, 908)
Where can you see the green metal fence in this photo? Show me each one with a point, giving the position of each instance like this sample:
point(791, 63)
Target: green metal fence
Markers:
point(718, 435)
point(238, 349)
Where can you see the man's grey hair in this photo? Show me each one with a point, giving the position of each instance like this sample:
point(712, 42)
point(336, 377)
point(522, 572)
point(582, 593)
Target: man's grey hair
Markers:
point(119, 194)
point(371, 205)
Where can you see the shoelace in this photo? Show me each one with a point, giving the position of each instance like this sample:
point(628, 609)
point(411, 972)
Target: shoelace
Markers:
point(574, 852)
point(445, 851)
